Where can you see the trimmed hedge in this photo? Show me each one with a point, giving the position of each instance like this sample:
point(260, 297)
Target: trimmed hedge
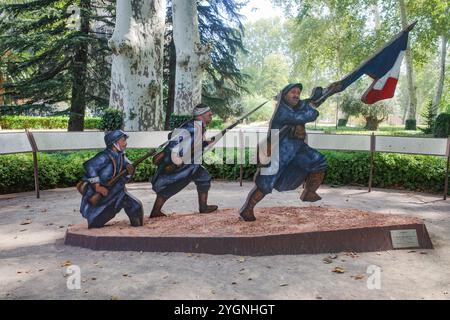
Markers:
point(28, 122)
point(64, 169)
point(442, 126)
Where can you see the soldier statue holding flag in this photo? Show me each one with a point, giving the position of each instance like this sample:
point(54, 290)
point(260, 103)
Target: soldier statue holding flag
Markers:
point(297, 162)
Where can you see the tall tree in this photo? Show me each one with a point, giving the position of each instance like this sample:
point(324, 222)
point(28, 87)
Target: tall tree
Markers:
point(191, 55)
point(329, 39)
point(79, 72)
point(137, 68)
point(412, 106)
point(433, 35)
point(220, 27)
point(49, 61)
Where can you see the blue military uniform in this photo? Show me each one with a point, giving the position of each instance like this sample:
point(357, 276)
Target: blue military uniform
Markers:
point(296, 162)
point(296, 158)
point(101, 169)
point(181, 163)
point(169, 184)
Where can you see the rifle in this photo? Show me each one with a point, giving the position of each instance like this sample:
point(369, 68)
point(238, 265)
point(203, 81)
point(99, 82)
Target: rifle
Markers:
point(97, 197)
point(218, 136)
point(172, 167)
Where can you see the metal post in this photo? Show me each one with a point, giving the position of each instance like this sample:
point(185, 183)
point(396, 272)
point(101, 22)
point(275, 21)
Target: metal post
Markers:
point(242, 154)
point(372, 153)
point(35, 161)
point(446, 172)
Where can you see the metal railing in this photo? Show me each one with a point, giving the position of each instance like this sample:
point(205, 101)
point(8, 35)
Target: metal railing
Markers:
point(240, 139)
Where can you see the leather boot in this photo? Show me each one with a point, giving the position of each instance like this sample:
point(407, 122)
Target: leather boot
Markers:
point(313, 182)
point(137, 221)
point(156, 211)
point(203, 206)
point(254, 196)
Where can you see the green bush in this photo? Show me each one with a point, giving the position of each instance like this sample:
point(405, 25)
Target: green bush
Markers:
point(411, 124)
point(112, 119)
point(442, 126)
point(64, 169)
point(176, 120)
point(28, 122)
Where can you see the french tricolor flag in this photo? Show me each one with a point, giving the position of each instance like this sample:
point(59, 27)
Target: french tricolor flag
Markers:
point(383, 67)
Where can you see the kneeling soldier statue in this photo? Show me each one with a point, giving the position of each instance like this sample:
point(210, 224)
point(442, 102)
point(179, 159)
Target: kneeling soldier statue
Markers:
point(102, 199)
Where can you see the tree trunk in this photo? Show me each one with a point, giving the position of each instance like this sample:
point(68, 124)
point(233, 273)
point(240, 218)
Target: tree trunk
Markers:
point(372, 123)
point(79, 73)
point(2, 100)
point(440, 84)
point(192, 58)
point(137, 66)
point(171, 87)
point(343, 119)
point(412, 107)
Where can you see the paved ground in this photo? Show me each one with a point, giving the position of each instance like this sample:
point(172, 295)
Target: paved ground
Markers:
point(34, 260)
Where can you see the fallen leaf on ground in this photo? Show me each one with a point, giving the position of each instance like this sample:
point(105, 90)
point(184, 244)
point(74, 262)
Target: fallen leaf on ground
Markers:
point(25, 222)
point(352, 254)
point(338, 270)
point(358, 277)
point(66, 264)
point(327, 260)
point(44, 210)
point(23, 230)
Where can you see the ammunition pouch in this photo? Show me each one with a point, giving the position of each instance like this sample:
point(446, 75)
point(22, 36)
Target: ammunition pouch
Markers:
point(171, 168)
point(298, 132)
point(82, 187)
point(158, 158)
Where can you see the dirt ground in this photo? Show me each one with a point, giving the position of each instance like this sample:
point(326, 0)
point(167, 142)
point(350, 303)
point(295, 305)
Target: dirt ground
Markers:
point(34, 262)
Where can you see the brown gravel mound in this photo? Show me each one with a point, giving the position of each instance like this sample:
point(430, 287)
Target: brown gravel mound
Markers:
point(274, 220)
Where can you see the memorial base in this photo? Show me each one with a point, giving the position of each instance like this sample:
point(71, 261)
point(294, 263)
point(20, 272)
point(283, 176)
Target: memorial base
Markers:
point(277, 230)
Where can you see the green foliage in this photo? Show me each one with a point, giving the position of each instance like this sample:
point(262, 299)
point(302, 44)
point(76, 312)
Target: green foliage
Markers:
point(64, 169)
point(26, 122)
point(216, 123)
point(373, 113)
point(263, 114)
point(112, 119)
point(176, 120)
point(39, 52)
point(430, 119)
point(410, 124)
point(342, 122)
point(442, 126)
